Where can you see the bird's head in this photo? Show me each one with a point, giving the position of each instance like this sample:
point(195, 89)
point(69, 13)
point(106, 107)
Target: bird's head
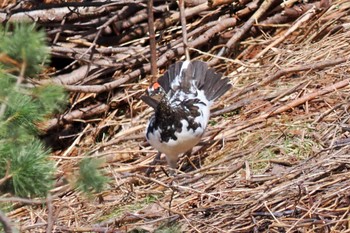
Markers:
point(155, 91)
point(154, 94)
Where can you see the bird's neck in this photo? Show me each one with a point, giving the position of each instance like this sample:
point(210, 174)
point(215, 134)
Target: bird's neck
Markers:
point(164, 110)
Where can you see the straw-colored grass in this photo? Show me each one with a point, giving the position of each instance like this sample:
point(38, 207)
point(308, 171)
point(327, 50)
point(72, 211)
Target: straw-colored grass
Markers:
point(264, 165)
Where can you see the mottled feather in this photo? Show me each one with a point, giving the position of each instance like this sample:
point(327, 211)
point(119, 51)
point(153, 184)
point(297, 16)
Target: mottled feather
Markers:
point(206, 79)
point(182, 107)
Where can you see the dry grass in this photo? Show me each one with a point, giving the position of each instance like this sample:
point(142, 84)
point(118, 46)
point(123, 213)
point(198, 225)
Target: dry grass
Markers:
point(255, 171)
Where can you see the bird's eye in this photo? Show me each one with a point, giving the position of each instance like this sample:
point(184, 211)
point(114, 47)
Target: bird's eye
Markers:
point(156, 86)
point(155, 89)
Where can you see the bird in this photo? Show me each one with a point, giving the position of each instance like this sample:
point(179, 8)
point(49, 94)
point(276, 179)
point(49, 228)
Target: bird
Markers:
point(181, 100)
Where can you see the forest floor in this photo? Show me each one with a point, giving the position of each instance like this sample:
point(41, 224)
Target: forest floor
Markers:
point(275, 156)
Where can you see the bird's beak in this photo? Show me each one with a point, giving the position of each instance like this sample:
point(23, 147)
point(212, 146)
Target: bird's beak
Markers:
point(150, 101)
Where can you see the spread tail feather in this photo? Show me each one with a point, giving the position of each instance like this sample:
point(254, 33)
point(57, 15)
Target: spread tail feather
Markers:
point(180, 74)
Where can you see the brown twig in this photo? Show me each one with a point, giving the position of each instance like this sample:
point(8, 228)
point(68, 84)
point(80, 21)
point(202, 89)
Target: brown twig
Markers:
point(311, 96)
point(52, 15)
point(22, 200)
point(221, 25)
point(81, 113)
point(214, 3)
point(6, 223)
point(307, 16)
point(152, 41)
point(184, 30)
point(233, 170)
point(7, 173)
point(304, 184)
point(283, 72)
point(50, 221)
point(239, 33)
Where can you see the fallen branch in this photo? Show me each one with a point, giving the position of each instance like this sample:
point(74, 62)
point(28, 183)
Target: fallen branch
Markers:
point(53, 15)
point(221, 25)
point(82, 113)
point(292, 104)
point(6, 223)
point(306, 17)
point(309, 97)
point(283, 72)
point(239, 33)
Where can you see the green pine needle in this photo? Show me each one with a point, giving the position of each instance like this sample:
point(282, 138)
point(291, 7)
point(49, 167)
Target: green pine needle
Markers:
point(31, 170)
point(90, 177)
point(51, 98)
point(25, 44)
point(6, 85)
point(24, 161)
point(22, 111)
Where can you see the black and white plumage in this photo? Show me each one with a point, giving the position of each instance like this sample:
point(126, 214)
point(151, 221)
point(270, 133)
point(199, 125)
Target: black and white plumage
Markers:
point(182, 98)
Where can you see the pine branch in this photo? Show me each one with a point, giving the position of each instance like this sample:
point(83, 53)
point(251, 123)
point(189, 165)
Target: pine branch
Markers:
point(24, 165)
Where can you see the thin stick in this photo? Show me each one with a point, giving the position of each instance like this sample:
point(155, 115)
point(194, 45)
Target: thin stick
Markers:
point(50, 221)
point(312, 95)
point(282, 72)
point(306, 17)
point(156, 159)
point(248, 25)
point(6, 223)
point(152, 41)
point(184, 31)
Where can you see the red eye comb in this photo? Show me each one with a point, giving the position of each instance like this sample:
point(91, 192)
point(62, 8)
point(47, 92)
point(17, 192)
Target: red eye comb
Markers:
point(155, 85)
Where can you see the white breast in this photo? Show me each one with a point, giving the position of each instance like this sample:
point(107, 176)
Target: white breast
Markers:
point(186, 139)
